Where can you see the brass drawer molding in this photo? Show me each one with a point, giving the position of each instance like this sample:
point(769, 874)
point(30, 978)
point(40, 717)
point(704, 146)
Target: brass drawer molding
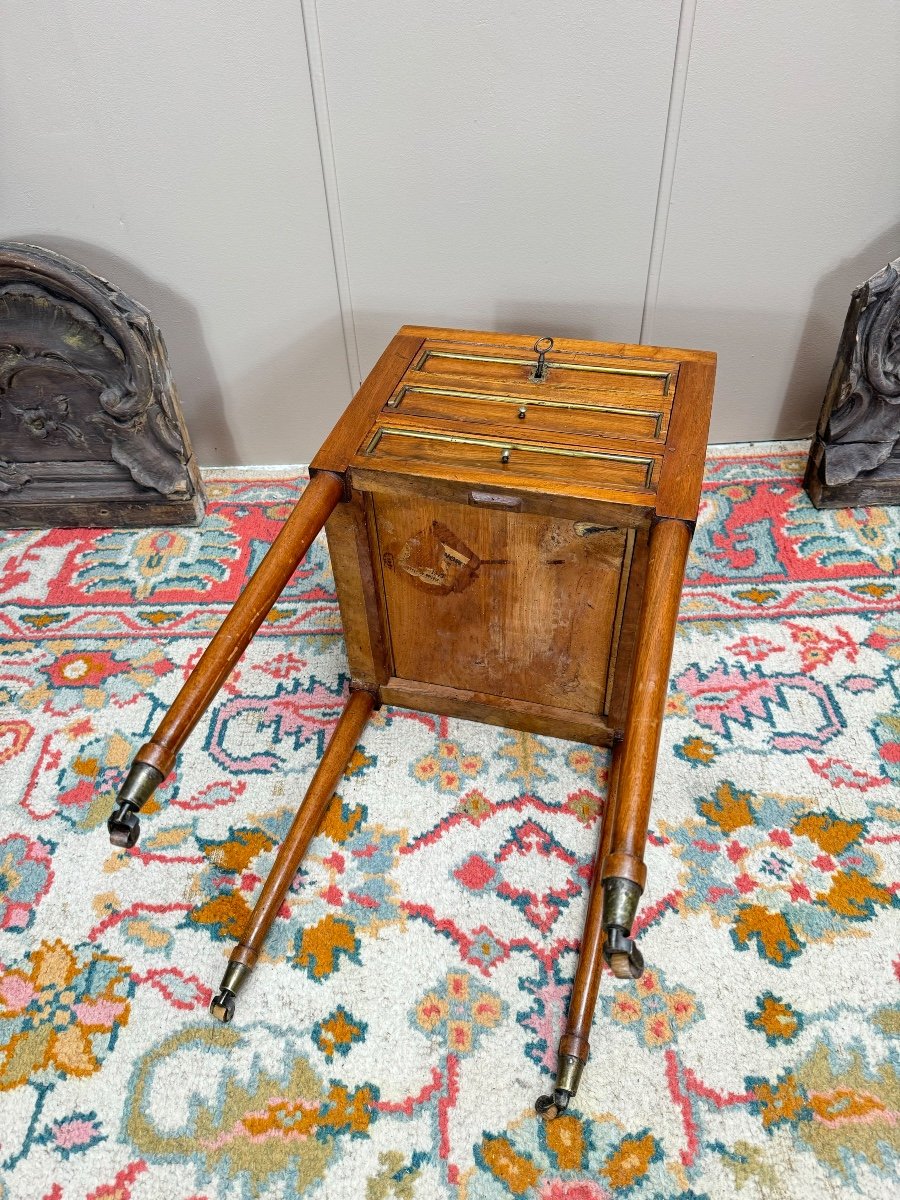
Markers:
point(506, 447)
point(523, 403)
point(664, 376)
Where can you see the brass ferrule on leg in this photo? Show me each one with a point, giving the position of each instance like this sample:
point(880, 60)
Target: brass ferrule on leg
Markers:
point(620, 903)
point(235, 977)
point(140, 784)
point(568, 1077)
point(568, 1073)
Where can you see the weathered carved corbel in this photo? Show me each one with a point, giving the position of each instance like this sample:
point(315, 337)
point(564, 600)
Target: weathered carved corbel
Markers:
point(91, 431)
point(854, 459)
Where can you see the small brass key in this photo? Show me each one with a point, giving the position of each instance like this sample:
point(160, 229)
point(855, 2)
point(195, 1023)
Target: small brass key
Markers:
point(542, 348)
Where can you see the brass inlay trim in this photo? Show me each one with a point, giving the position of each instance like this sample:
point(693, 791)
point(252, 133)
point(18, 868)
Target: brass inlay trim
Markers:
point(624, 575)
point(526, 401)
point(642, 372)
point(502, 445)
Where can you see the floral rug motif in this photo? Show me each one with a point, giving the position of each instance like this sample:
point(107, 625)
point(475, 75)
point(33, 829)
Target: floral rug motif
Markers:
point(405, 1015)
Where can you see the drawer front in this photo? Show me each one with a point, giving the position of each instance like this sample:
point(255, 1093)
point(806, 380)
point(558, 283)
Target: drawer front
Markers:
point(521, 414)
point(596, 468)
point(581, 372)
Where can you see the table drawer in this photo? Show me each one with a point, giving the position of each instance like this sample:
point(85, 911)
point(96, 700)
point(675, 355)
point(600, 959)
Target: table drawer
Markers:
point(581, 372)
point(591, 467)
point(525, 412)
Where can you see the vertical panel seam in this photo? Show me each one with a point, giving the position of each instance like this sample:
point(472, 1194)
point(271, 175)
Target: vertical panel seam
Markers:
point(677, 94)
point(325, 139)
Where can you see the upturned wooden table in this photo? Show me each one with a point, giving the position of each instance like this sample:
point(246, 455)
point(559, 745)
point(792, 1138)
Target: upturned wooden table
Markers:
point(508, 521)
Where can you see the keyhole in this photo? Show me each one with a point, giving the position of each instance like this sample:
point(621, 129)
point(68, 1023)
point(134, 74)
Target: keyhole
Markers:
point(504, 456)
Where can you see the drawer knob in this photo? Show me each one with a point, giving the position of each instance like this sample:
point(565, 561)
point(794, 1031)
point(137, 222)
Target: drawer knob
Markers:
point(542, 348)
point(504, 455)
point(522, 411)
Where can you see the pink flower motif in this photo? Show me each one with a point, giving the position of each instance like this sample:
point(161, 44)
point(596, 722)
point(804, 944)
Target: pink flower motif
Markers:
point(16, 992)
point(99, 1014)
point(75, 1133)
point(25, 878)
point(565, 1189)
point(859, 683)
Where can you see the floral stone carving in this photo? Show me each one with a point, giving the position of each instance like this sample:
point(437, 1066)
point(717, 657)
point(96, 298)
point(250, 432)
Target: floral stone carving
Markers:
point(854, 459)
point(91, 432)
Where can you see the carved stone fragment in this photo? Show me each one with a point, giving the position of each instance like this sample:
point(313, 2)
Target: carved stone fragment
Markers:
point(854, 459)
point(91, 431)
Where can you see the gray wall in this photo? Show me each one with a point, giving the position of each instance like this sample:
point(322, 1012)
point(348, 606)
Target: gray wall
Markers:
point(284, 183)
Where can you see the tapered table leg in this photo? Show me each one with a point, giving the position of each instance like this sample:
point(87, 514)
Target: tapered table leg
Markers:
point(624, 872)
point(307, 821)
point(155, 760)
point(619, 873)
point(574, 1045)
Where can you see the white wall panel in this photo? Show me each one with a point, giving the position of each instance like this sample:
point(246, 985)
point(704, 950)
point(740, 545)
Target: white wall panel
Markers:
point(786, 196)
point(172, 147)
point(484, 165)
point(497, 166)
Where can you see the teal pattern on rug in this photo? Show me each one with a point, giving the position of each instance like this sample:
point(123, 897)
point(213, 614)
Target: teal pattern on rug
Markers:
point(405, 1015)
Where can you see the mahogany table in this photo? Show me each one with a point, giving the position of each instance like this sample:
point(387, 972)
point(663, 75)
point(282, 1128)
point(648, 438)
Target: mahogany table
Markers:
point(508, 522)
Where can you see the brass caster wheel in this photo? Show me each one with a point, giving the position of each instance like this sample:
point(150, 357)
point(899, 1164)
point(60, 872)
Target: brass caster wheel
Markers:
point(550, 1107)
point(622, 955)
point(222, 1007)
point(124, 827)
point(140, 783)
point(620, 965)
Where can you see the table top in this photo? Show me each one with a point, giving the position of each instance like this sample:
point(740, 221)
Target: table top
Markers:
point(522, 416)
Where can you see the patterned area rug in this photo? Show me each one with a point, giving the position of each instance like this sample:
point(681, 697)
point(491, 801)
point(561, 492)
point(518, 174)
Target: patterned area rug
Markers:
point(393, 1041)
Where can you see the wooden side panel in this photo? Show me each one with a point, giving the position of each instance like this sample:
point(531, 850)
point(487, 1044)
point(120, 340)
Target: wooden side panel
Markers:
point(354, 579)
point(509, 604)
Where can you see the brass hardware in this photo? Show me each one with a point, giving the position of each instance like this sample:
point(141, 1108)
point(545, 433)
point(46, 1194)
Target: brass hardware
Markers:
point(568, 1073)
point(650, 414)
point(222, 1006)
point(568, 1077)
point(639, 372)
point(140, 783)
point(522, 411)
point(504, 455)
point(458, 439)
point(620, 901)
point(493, 500)
point(542, 348)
